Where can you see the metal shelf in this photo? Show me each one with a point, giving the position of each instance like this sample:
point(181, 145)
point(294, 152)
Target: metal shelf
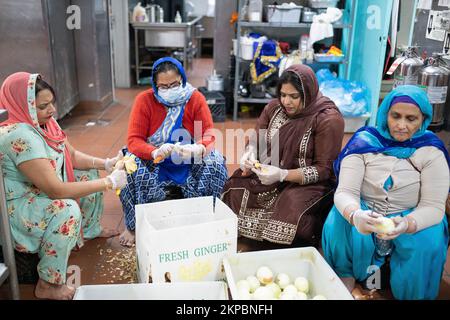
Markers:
point(286, 25)
point(254, 100)
point(308, 64)
point(345, 27)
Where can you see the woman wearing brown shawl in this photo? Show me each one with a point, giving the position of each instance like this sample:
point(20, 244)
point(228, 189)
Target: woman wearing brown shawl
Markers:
point(286, 202)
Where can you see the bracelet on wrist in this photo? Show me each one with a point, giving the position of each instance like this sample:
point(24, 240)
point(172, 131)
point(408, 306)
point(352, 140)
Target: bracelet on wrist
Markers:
point(350, 217)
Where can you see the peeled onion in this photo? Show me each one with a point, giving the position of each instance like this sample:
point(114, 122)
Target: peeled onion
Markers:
point(290, 289)
point(283, 280)
point(287, 296)
point(301, 296)
point(264, 275)
point(243, 284)
point(253, 282)
point(302, 284)
point(385, 226)
point(319, 297)
point(244, 294)
point(275, 289)
point(263, 293)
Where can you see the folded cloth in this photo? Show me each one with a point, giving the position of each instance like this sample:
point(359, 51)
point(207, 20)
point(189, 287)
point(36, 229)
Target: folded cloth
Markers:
point(265, 61)
point(322, 27)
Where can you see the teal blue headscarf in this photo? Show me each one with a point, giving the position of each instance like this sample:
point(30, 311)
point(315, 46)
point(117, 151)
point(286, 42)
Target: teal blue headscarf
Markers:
point(415, 93)
point(379, 140)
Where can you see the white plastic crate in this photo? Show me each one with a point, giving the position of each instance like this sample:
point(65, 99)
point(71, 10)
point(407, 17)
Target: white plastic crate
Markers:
point(184, 240)
point(283, 13)
point(297, 262)
point(353, 124)
point(217, 290)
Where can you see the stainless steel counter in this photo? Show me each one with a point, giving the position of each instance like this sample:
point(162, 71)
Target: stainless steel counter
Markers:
point(166, 35)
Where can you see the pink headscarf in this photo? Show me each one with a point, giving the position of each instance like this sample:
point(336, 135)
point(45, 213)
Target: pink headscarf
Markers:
point(17, 95)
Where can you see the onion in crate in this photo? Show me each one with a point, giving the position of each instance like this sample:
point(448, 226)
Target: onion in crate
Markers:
point(244, 294)
point(302, 284)
point(243, 284)
point(301, 296)
point(282, 280)
point(287, 296)
point(263, 293)
point(253, 282)
point(290, 289)
point(264, 275)
point(276, 290)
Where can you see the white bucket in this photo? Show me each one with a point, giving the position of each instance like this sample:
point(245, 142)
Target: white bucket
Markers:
point(247, 50)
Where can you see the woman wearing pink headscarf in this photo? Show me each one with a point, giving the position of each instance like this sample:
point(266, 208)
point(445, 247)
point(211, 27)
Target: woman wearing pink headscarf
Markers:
point(51, 205)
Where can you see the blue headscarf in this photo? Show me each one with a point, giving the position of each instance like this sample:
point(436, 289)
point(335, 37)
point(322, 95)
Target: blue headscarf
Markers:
point(168, 169)
point(188, 88)
point(379, 140)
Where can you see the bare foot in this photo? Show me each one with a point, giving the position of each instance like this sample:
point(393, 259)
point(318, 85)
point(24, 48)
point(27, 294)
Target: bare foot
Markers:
point(108, 233)
point(45, 290)
point(127, 238)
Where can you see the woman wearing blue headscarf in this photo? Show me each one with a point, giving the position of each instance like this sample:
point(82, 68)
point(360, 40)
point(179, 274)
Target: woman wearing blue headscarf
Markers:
point(170, 134)
point(401, 171)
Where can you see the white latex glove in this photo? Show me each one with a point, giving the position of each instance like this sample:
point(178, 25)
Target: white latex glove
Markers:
point(118, 178)
point(189, 151)
point(401, 225)
point(110, 163)
point(164, 151)
point(248, 159)
point(365, 221)
point(270, 174)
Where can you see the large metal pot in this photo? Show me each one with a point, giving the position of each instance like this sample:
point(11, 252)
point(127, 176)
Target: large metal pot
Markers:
point(408, 70)
point(214, 82)
point(434, 79)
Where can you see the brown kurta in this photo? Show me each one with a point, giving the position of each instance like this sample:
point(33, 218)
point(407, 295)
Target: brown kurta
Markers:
point(310, 141)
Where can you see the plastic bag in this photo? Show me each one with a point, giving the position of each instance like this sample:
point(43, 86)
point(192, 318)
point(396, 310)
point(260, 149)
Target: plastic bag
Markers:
point(351, 97)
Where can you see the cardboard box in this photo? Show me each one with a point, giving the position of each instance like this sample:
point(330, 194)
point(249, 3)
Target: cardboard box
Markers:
point(297, 262)
point(217, 290)
point(184, 240)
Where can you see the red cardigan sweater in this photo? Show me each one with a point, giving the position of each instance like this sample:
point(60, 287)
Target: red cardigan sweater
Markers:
point(148, 115)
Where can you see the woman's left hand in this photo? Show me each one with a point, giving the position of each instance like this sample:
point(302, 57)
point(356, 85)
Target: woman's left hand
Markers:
point(401, 226)
point(188, 151)
point(270, 174)
point(110, 163)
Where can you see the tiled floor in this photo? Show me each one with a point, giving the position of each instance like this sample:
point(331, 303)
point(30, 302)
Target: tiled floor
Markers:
point(103, 261)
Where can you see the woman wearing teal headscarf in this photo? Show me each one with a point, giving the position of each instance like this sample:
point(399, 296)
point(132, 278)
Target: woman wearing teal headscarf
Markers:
point(401, 171)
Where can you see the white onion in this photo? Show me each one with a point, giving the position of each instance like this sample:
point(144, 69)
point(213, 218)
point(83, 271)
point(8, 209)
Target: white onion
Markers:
point(243, 284)
point(302, 284)
point(319, 297)
point(253, 282)
point(264, 275)
point(263, 293)
point(244, 294)
point(275, 289)
point(385, 226)
point(283, 280)
point(291, 289)
point(287, 296)
point(301, 296)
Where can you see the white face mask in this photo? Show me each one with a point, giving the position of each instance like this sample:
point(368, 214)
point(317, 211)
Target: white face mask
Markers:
point(171, 95)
